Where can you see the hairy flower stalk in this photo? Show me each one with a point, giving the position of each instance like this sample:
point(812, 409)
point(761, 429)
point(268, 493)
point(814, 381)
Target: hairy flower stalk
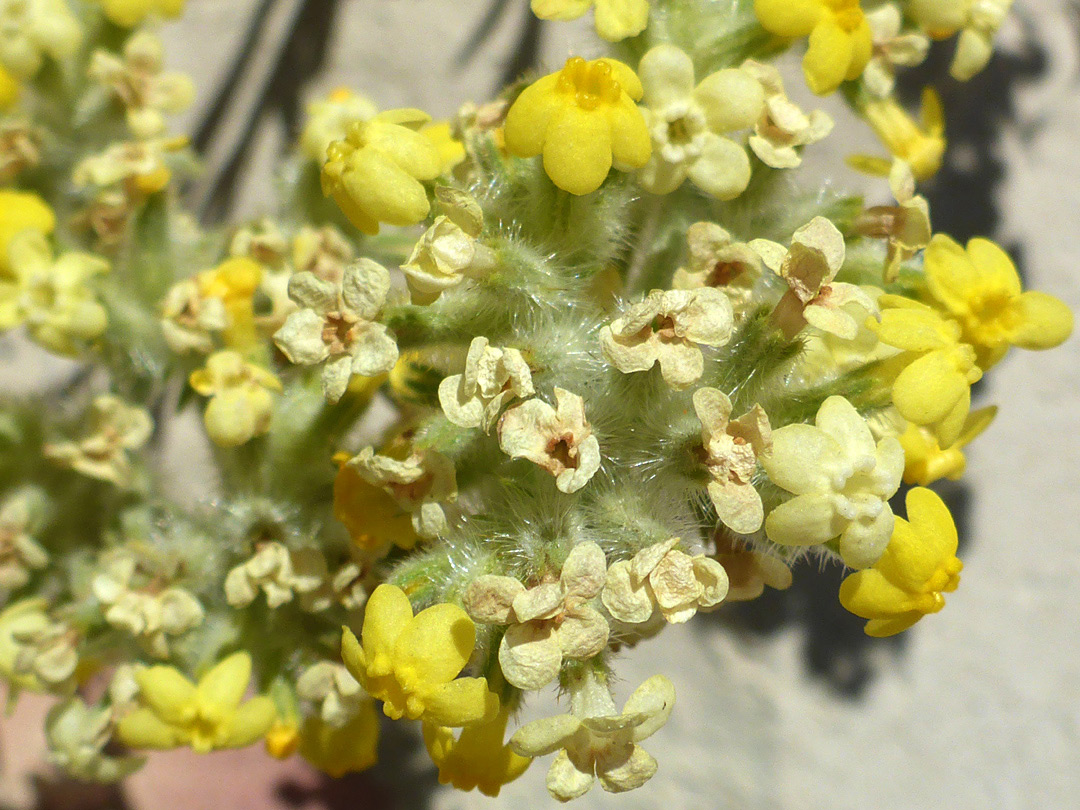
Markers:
point(532, 384)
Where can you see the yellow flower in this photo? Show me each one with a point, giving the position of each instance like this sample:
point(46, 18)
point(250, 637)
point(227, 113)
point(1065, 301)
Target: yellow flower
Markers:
point(615, 19)
point(977, 23)
point(924, 459)
point(371, 515)
point(129, 13)
point(840, 38)
point(21, 211)
point(234, 282)
point(33, 30)
point(282, 739)
point(375, 173)
point(919, 144)
point(584, 121)
point(918, 565)
point(981, 289)
point(411, 662)
point(934, 387)
point(441, 135)
point(52, 295)
point(240, 401)
point(206, 716)
point(338, 750)
point(478, 758)
point(329, 120)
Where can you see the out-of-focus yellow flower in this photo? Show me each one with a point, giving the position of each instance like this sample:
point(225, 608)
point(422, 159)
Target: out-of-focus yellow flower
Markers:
point(980, 287)
point(371, 515)
point(976, 20)
point(918, 566)
point(283, 739)
point(139, 166)
point(52, 295)
point(338, 750)
point(234, 282)
point(329, 120)
point(934, 387)
point(615, 19)
point(411, 662)
point(451, 150)
point(241, 403)
point(21, 211)
point(919, 144)
point(129, 13)
point(374, 174)
point(925, 461)
point(840, 39)
point(477, 759)
point(583, 120)
point(34, 29)
point(206, 716)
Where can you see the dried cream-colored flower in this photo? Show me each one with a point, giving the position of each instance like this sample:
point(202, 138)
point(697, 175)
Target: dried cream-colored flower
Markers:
point(139, 81)
point(419, 483)
point(749, 571)
point(323, 251)
point(717, 260)
point(337, 325)
point(278, 572)
point(557, 439)
point(891, 49)
point(263, 242)
point(783, 127)
point(595, 741)
point(906, 225)
point(492, 378)
point(663, 577)
point(449, 250)
point(667, 328)
point(189, 320)
point(20, 553)
point(332, 686)
point(150, 614)
point(809, 267)
point(77, 735)
point(732, 448)
point(548, 622)
point(36, 652)
point(115, 430)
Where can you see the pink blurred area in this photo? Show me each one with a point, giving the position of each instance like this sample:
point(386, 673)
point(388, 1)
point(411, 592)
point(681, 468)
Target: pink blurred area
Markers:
point(227, 780)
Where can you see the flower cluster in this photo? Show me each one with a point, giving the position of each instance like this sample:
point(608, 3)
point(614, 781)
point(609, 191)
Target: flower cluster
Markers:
point(485, 400)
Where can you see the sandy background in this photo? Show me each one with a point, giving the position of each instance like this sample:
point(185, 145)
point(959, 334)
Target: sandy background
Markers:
point(980, 708)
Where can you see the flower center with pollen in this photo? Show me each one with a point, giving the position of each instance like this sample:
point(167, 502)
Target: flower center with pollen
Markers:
point(591, 83)
point(338, 331)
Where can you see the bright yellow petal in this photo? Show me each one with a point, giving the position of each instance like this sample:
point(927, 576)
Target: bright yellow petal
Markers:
point(994, 266)
point(927, 390)
point(383, 190)
point(618, 19)
point(631, 145)
point(577, 151)
point(225, 684)
point(168, 693)
point(828, 56)
point(862, 48)
point(525, 129)
point(436, 645)
point(250, 722)
point(460, 703)
point(560, 9)
point(789, 18)
point(950, 274)
point(386, 616)
point(142, 728)
point(1044, 321)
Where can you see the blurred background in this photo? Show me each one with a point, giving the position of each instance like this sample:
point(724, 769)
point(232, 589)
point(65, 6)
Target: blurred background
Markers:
point(782, 703)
